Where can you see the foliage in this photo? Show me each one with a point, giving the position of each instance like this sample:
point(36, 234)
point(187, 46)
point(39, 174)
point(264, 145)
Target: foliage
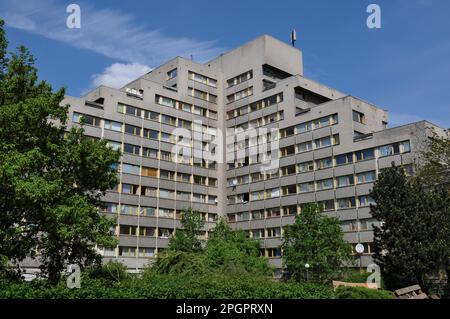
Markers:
point(186, 238)
point(226, 251)
point(413, 241)
point(168, 287)
point(343, 292)
point(436, 159)
point(52, 180)
point(110, 272)
point(316, 240)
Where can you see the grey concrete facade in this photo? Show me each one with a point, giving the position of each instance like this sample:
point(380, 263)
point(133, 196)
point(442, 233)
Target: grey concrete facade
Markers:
point(331, 148)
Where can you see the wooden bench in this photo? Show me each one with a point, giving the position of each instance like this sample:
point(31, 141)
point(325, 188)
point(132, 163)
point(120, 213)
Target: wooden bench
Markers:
point(412, 292)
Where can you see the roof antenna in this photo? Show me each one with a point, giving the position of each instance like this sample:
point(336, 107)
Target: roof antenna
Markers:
point(293, 37)
point(192, 57)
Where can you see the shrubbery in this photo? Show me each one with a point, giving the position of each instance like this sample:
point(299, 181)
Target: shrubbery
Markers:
point(362, 293)
point(237, 286)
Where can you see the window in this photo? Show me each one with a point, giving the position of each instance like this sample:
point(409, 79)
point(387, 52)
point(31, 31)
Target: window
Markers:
point(365, 200)
point(327, 205)
point(258, 233)
point(163, 174)
point(130, 189)
point(289, 190)
point(170, 120)
point(202, 79)
point(148, 191)
point(325, 184)
point(387, 150)
point(287, 151)
point(151, 134)
point(110, 208)
point(306, 187)
point(240, 95)
point(149, 172)
point(405, 147)
point(273, 252)
point(323, 142)
point(366, 177)
point(359, 117)
point(258, 214)
point(347, 180)
point(128, 109)
point(130, 169)
point(257, 195)
point(166, 156)
point(146, 252)
point(305, 167)
point(199, 198)
point(148, 211)
point(149, 152)
point(184, 178)
point(304, 127)
point(131, 149)
point(365, 154)
point(212, 200)
point(288, 170)
point(76, 117)
point(290, 131)
point(183, 196)
point(324, 163)
point(172, 74)
point(305, 147)
point(344, 159)
point(114, 126)
point(165, 213)
point(133, 130)
point(290, 210)
point(128, 209)
point(166, 137)
point(344, 203)
point(127, 251)
point(273, 232)
point(240, 78)
point(164, 232)
point(272, 193)
point(127, 230)
point(165, 193)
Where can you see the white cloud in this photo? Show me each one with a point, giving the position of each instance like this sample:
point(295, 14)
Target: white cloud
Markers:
point(108, 32)
point(119, 74)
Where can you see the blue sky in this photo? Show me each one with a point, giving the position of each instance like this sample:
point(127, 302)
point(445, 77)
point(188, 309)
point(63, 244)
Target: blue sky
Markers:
point(403, 67)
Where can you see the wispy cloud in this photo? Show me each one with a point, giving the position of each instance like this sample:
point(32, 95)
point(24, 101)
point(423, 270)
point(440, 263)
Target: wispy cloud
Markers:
point(108, 32)
point(119, 74)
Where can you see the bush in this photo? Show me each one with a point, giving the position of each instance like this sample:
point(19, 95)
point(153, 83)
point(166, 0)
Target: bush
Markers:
point(167, 286)
point(343, 292)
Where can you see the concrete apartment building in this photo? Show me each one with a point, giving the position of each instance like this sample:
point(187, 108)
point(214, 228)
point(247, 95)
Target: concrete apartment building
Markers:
point(330, 146)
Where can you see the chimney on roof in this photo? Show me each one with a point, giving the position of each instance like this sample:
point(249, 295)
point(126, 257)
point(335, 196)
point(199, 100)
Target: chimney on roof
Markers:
point(293, 37)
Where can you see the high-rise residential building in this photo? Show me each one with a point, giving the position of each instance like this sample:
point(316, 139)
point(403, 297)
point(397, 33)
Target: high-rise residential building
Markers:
point(259, 140)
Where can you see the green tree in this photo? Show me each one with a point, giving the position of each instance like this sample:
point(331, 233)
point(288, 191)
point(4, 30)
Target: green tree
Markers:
point(316, 240)
point(187, 238)
point(226, 252)
point(412, 242)
point(435, 170)
point(52, 178)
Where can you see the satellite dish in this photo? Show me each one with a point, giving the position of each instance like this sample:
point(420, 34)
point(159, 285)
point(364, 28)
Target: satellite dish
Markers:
point(359, 248)
point(235, 182)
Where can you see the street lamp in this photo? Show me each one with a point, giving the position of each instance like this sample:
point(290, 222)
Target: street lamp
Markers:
point(306, 267)
point(360, 250)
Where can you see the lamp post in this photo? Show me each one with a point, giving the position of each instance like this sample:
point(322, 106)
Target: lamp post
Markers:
point(307, 267)
point(360, 250)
